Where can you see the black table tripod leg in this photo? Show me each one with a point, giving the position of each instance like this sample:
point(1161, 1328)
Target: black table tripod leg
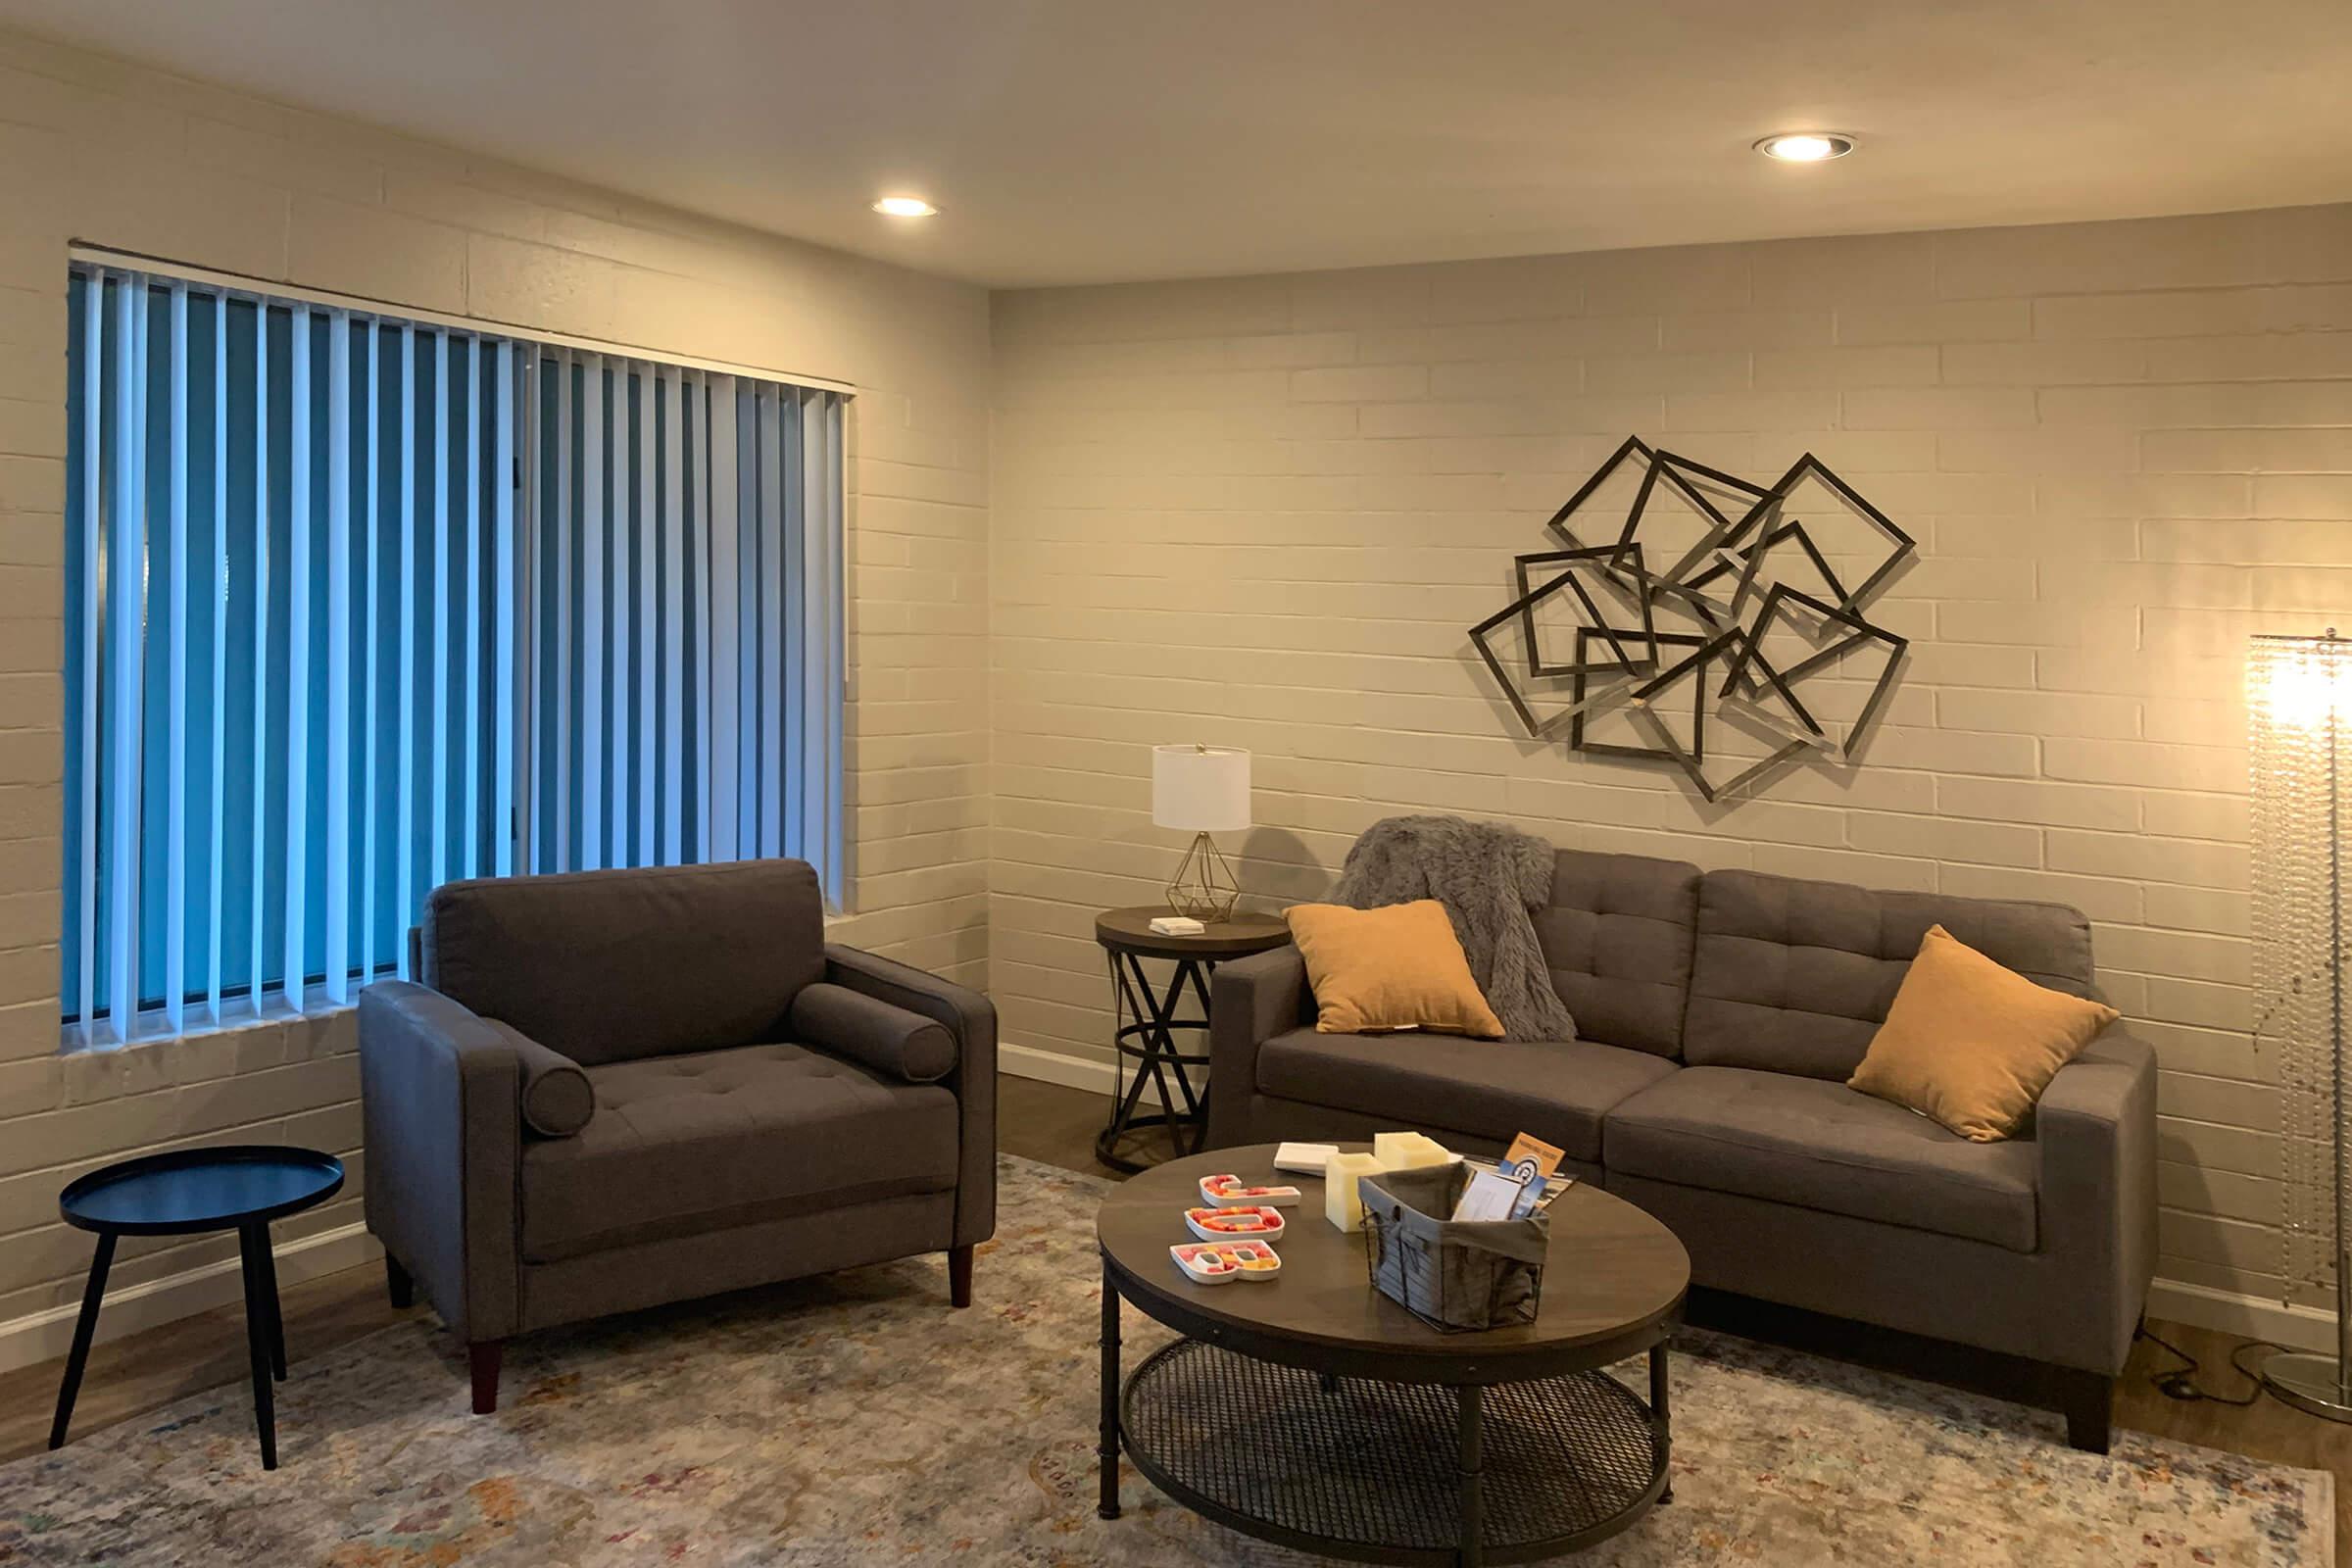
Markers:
point(277, 1321)
point(253, 1247)
point(1108, 1452)
point(78, 1357)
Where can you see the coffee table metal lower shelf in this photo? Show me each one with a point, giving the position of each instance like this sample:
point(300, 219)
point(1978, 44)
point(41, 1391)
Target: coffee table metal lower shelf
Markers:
point(1374, 1471)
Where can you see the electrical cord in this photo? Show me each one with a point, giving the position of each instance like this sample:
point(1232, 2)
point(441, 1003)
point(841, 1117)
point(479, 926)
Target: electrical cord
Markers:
point(2180, 1382)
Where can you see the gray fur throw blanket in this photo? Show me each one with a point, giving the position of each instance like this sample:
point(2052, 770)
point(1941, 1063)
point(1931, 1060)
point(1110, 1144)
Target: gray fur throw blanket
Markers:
point(1487, 876)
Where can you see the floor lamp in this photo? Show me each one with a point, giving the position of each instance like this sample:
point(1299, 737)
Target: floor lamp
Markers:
point(2299, 714)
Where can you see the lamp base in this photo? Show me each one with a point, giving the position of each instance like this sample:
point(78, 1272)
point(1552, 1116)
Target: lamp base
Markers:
point(1204, 888)
point(2309, 1382)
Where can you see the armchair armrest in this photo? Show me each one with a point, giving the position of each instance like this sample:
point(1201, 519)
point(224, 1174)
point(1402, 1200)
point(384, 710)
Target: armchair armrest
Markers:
point(1250, 1000)
point(440, 1093)
point(971, 1018)
point(2096, 1128)
point(556, 1099)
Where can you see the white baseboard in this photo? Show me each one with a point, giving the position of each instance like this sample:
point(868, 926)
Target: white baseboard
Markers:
point(1053, 1067)
point(2248, 1317)
point(48, 1334)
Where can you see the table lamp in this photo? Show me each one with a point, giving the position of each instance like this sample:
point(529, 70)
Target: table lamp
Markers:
point(1202, 789)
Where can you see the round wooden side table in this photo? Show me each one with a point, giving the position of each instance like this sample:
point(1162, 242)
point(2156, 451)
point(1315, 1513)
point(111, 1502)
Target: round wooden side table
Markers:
point(1146, 1020)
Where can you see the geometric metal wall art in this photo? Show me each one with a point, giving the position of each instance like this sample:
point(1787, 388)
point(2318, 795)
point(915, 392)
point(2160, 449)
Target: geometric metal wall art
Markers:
point(1708, 626)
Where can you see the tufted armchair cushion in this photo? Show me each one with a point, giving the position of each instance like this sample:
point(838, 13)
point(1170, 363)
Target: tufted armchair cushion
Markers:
point(711, 1140)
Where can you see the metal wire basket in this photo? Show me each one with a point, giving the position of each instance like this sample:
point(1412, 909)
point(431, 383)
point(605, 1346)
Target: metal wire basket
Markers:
point(1455, 1275)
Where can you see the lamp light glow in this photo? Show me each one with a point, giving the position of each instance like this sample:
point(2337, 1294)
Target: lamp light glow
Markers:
point(905, 207)
point(1805, 146)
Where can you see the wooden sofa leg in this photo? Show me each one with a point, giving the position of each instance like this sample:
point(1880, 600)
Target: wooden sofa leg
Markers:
point(2088, 1401)
point(959, 1276)
point(398, 1285)
point(484, 1355)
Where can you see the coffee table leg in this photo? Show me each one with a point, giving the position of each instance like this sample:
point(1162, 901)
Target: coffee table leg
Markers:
point(1661, 1424)
point(253, 1247)
point(84, 1326)
point(1108, 1453)
point(1474, 1481)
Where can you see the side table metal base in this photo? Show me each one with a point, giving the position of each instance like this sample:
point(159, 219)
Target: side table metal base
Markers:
point(1149, 1040)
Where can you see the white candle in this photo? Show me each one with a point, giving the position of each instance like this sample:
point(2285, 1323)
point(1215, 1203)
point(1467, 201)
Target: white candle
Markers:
point(1342, 1204)
point(1407, 1151)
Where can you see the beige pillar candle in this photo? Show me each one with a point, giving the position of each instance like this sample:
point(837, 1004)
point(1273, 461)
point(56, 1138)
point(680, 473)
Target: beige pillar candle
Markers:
point(1342, 1204)
point(1407, 1151)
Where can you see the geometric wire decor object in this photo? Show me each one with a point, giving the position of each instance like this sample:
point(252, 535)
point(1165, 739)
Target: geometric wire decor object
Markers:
point(1685, 587)
point(2299, 722)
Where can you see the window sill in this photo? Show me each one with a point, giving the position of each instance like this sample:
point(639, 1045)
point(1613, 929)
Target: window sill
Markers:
point(200, 1022)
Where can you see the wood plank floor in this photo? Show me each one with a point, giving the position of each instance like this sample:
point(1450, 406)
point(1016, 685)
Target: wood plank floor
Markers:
point(1045, 1122)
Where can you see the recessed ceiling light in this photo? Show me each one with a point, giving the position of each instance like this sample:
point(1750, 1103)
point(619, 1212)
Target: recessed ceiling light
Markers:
point(905, 207)
point(1807, 146)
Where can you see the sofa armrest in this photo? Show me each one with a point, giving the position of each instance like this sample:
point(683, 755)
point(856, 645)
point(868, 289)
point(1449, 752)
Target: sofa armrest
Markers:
point(881, 1035)
point(2096, 1128)
point(1250, 1000)
point(971, 1020)
point(440, 1094)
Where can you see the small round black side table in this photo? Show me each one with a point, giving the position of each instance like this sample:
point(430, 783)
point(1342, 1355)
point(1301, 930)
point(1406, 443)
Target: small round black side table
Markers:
point(186, 1193)
point(1145, 1021)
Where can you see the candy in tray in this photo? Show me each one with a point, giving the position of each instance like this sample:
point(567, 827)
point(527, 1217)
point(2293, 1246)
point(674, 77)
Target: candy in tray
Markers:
point(1225, 1191)
point(1223, 1262)
point(1230, 1224)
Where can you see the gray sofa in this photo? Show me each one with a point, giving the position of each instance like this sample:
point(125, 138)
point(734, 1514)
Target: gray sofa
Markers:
point(1720, 1015)
point(615, 1089)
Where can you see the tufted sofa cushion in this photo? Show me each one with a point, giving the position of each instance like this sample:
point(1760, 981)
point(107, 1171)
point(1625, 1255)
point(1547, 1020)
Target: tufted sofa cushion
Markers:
point(1616, 937)
point(1796, 976)
point(712, 1139)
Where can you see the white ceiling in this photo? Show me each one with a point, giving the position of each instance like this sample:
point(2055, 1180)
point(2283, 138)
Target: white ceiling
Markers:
point(1088, 140)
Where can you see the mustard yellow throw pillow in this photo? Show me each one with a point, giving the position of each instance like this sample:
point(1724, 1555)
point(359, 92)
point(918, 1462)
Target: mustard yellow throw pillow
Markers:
point(1971, 1044)
point(1375, 971)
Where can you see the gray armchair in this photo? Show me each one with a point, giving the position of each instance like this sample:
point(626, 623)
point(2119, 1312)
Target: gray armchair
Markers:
point(615, 1089)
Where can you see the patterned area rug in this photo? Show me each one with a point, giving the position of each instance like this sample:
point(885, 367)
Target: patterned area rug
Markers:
point(859, 1420)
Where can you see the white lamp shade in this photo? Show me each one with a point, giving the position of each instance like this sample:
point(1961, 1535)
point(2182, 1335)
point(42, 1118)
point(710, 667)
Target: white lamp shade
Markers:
point(1199, 789)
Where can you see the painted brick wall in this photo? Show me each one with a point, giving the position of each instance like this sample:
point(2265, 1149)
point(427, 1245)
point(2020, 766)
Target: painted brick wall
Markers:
point(97, 152)
point(1260, 512)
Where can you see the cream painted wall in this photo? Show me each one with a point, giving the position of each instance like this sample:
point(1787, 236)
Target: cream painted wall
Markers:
point(102, 153)
point(1260, 512)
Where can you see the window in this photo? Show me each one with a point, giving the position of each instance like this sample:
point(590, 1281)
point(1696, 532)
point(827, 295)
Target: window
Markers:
point(357, 605)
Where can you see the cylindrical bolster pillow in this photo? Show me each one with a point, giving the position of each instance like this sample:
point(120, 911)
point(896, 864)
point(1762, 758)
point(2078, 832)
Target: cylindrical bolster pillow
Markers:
point(557, 1097)
point(886, 1039)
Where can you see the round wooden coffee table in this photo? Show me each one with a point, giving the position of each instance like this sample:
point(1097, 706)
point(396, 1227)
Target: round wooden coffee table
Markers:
point(1311, 1410)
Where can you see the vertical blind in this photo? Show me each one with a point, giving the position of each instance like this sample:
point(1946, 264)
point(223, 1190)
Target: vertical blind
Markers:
point(356, 605)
